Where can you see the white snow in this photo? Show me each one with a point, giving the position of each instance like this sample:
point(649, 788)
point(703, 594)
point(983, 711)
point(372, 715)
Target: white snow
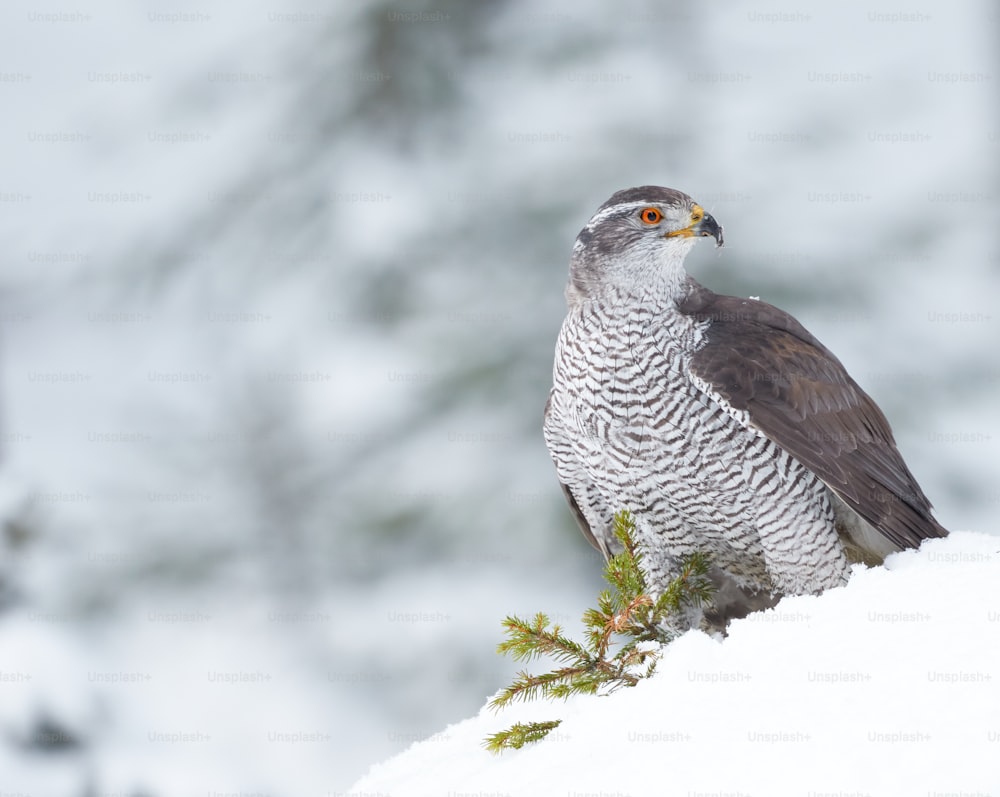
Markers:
point(888, 686)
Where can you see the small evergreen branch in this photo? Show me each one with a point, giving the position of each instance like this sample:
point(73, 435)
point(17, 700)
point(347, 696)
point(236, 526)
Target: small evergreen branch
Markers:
point(526, 641)
point(518, 735)
point(562, 683)
point(626, 613)
point(690, 588)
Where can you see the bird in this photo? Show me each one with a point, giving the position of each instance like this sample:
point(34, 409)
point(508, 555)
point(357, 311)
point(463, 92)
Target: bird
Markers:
point(720, 423)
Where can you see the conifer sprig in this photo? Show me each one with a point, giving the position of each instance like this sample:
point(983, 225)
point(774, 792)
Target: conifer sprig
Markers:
point(518, 735)
point(625, 614)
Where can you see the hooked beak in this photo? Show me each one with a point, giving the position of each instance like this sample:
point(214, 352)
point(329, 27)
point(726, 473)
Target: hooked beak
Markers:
point(705, 227)
point(708, 227)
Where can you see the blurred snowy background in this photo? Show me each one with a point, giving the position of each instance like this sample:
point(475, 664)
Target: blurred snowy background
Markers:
point(279, 287)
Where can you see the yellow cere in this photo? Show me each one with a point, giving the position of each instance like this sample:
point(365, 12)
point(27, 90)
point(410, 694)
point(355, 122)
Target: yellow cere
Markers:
point(697, 214)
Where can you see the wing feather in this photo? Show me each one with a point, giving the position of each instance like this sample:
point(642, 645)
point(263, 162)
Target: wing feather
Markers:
point(798, 394)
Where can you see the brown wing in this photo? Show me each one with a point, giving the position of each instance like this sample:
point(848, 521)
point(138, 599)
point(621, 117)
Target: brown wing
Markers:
point(760, 359)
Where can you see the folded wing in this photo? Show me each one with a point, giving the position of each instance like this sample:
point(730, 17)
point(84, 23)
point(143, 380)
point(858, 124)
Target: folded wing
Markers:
point(759, 359)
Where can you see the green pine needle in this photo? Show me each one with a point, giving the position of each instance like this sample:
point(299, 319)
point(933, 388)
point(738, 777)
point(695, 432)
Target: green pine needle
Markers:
point(518, 735)
point(626, 615)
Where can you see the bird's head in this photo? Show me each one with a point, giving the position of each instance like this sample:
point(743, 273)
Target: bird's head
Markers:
point(636, 241)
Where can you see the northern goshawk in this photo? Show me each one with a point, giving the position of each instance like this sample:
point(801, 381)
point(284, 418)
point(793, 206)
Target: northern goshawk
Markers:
point(719, 422)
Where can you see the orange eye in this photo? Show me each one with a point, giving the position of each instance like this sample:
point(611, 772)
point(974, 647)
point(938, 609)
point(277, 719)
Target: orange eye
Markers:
point(650, 215)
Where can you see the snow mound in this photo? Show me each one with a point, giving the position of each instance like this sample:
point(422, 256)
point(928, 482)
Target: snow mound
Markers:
point(888, 686)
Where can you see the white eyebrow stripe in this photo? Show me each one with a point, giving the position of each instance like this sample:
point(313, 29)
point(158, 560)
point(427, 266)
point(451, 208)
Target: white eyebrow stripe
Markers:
point(616, 210)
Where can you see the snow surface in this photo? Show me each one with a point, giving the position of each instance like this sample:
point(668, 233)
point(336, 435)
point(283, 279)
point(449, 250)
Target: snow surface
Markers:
point(888, 686)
